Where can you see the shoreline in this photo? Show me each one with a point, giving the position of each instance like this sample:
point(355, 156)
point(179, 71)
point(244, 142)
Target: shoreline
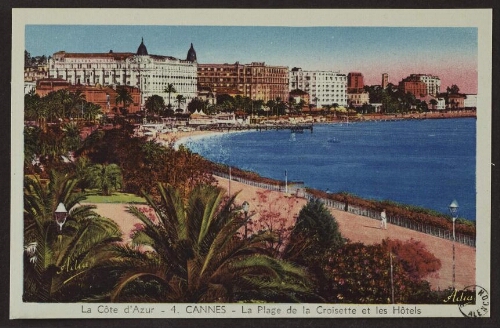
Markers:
point(179, 138)
point(198, 136)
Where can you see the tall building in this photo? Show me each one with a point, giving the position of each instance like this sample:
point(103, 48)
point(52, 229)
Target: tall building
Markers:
point(355, 82)
point(323, 87)
point(256, 80)
point(385, 80)
point(150, 73)
point(432, 84)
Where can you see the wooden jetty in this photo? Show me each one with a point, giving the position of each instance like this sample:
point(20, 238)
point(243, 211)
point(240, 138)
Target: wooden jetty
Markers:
point(295, 128)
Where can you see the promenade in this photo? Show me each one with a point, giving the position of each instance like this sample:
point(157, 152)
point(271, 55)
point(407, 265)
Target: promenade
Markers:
point(354, 227)
point(366, 230)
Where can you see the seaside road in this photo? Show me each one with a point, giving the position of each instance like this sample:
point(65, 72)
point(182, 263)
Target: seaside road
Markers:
point(366, 230)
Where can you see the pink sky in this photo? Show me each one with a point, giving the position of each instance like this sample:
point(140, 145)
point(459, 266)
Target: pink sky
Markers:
point(466, 80)
point(459, 71)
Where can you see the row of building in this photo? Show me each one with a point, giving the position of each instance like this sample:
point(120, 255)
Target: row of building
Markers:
point(146, 75)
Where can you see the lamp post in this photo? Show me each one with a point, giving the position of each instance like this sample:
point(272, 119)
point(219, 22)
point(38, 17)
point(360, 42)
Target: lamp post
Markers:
point(454, 214)
point(245, 207)
point(60, 215)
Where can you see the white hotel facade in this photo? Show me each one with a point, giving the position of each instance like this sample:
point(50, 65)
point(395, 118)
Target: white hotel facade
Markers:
point(323, 87)
point(150, 73)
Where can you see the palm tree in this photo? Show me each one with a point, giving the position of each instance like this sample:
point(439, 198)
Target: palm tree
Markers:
point(106, 177)
point(92, 111)
point(64, 99)
point(170, 89)
point(124, 97)
point(194, 253)
point(58, 258)
point(180, 100)
point(82, 167)
point(76, 103)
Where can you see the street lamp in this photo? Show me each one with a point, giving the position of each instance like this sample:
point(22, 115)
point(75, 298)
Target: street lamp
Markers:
point(245, 207)
point(60, 215)
point(454, 214)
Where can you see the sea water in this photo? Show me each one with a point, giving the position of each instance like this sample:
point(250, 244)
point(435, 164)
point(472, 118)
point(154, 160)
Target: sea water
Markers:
point(426, 163)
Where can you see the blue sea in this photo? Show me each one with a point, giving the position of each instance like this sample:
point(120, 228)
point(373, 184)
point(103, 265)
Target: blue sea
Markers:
point(426, 163)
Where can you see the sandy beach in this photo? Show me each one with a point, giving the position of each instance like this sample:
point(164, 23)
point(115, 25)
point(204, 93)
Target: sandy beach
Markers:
point(177, 138)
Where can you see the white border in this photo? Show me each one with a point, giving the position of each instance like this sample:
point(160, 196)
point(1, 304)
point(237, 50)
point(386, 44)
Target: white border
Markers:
point(480, 18)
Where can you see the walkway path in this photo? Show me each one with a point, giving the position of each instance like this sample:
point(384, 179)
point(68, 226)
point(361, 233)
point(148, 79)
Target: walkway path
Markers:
point(362, 229)
point(354, 227)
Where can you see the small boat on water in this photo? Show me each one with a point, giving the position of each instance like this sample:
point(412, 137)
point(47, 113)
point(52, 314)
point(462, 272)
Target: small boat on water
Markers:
point(333, 140)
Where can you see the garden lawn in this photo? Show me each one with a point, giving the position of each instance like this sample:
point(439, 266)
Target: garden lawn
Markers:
point(116, 197)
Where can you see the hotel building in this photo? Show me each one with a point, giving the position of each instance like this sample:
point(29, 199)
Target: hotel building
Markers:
point(358, 99)
point(355, 82)
point(411, 84)
point(256, 80)
point(150, 73)
point(324, 87)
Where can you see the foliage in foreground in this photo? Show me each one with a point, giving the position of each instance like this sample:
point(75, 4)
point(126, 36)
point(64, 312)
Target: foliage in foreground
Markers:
point(192, 252)
point(358, 273)
point(56, 259)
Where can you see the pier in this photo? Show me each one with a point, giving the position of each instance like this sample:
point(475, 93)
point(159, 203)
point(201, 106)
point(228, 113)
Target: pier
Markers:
point(295, 128)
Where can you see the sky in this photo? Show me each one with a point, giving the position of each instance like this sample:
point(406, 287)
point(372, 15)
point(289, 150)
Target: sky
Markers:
point(448, 52)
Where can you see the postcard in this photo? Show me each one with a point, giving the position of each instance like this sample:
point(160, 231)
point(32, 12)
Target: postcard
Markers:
point(259, 163)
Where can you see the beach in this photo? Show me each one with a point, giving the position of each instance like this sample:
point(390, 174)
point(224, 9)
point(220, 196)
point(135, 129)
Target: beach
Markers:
point(179, 137)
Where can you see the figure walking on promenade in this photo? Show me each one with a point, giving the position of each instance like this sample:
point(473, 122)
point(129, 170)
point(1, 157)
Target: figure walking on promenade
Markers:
point(383, 220)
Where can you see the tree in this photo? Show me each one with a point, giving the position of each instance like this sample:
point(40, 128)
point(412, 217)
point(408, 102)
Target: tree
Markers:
point(271, 104)
point(106, 177)
point(91, 112)
point(155, 104)
point(197, 255)
point(434, 103)
point(76, 103)
point(453, 90)
point(82, 167)
point(416, 260)
point(71, 138)
point(180, 100)
point(197, 105)
point(315, 233)
point(361, 274)
point(280, 106)
point(170, 89)
point(123, 97)
point(27, 59)
point(335, 107)
point(58, 258)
